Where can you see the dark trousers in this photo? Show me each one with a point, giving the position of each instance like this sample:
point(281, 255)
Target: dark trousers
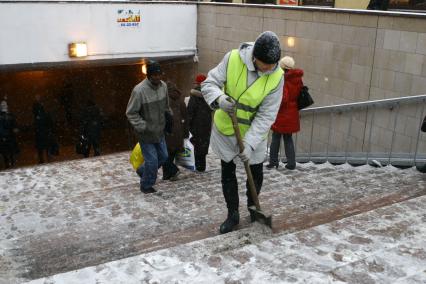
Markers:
point(200, 162)
point(230, 184)
point(96, 148)
point(169, 167)
point(9, 160)
point(288, 148)
point(41, 153)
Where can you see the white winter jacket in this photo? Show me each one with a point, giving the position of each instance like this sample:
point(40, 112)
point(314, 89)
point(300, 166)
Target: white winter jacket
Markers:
point(226, 147)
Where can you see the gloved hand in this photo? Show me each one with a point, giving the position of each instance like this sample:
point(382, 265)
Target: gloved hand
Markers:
point(245, 155)
point(226, 103)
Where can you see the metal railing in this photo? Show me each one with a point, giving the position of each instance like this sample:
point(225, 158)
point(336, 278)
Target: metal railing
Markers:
point(383, 131)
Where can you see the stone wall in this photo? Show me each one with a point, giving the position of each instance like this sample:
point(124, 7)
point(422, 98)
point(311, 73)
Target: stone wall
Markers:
point(347, 56)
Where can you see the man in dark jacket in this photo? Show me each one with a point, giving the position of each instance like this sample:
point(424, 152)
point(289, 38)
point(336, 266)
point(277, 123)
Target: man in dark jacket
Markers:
point(200, 123)
point(146, 113)
point(8, 145)
point(91, 126)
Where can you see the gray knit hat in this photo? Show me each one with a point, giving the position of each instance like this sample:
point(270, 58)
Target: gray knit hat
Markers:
point(267, 48)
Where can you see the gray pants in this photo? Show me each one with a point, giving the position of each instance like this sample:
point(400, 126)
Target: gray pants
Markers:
point(288, 147)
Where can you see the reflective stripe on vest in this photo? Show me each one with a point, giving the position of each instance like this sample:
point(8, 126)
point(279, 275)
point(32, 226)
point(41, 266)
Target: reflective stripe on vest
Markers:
point(248, 98)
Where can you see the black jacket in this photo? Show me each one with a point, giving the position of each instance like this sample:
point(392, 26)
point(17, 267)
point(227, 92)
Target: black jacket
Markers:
point(91, 122)
point(44, 130)
point(199, 122)
point(8, 142)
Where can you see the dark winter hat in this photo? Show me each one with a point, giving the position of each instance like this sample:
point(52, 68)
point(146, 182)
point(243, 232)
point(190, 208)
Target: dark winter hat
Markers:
point(153, 68)
point(267, 48)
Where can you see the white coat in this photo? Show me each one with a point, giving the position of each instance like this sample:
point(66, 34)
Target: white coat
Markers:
point(226, 147)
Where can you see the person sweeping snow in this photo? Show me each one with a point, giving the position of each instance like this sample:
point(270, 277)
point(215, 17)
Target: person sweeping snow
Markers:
point(249, 81)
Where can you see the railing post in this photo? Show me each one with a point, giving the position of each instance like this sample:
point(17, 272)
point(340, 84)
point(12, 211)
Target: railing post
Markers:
point(312, 134)
point(330, 119)
point(295, 146)
point(393, 134)
point(369, 136)
point(347, 136)
point(418, 134)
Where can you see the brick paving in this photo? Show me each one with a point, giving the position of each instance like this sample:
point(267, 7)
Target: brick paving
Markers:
point(65, 216)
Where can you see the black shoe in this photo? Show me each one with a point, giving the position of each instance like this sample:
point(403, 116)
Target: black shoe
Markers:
point(148, 190)
point(290, 167)
point(272, 165)
point(166, 177)
point(230, 222)
point(175, 176)
point(200, 169)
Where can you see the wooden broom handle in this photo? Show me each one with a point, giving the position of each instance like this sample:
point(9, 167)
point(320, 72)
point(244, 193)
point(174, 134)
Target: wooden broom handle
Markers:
point(252, 186)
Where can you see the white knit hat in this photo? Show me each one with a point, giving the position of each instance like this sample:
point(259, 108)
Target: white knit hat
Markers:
point(287, 62)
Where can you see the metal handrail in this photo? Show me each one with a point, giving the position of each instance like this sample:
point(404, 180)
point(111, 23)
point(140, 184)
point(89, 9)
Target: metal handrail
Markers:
point(380, 103)
point(366, 155)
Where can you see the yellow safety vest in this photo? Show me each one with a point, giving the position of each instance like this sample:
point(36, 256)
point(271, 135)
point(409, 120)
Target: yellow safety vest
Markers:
point(248, 98)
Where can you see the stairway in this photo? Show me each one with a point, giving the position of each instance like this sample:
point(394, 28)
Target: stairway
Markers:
point(65, 216)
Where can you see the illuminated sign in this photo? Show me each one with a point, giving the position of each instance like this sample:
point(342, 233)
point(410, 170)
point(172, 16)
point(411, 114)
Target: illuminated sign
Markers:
point(128, 17)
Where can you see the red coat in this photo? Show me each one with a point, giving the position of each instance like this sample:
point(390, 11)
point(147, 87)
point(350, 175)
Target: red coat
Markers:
point(287, 120)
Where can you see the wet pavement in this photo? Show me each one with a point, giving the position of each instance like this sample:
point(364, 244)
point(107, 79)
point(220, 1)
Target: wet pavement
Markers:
point(65, 216)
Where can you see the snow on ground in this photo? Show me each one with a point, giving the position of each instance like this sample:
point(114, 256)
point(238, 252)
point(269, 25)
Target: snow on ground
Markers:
point(387, 245)
point(64, 216)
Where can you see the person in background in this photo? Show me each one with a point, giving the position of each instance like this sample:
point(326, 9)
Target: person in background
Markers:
point(378, 5)
point(3, 103)
point(91, 127)
point(179, 131)
point(8, 145)
point(145, 111)
point(66, 100)
point(248, 82)
point(200, 123)
point(287, 121)
point(423, 129)
point(44, 131)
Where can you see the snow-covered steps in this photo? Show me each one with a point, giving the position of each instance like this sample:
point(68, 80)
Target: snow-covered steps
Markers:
point(59, 217)
point(386, 245)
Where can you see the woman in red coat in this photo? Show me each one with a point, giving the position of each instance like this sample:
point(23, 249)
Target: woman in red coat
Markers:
point(287, 121)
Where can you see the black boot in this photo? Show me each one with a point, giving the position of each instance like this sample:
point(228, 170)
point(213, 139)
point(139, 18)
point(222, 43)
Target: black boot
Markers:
point(230, 222)
point(252, 215)
point(200, 163)
point(272, 165)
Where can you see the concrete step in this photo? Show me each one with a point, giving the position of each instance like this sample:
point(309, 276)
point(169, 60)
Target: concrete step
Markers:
point(65, 216)
point(385, 245)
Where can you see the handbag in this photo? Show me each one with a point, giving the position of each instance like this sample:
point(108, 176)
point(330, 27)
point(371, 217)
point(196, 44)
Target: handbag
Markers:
point(305, 99)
